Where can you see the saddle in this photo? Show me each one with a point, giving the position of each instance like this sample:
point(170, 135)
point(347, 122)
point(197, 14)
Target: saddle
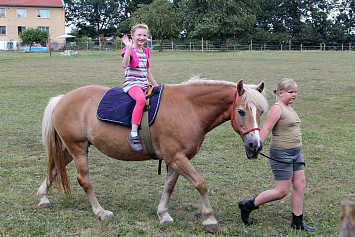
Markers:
point(116, 106)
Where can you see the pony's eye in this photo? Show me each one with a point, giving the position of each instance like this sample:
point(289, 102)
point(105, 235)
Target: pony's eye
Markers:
point(241, 112)
point(261, 112)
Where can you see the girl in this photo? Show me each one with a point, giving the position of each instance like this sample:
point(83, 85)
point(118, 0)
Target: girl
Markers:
point(285, 145)
point(137, 76)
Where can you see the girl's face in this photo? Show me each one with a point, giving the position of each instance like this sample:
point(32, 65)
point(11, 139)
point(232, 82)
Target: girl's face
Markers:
point(140, 36)
point(289, 96)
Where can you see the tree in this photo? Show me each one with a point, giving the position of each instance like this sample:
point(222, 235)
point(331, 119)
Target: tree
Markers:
point(34, 35)
point(162, 18)
point(219, 18)
point(95, 17)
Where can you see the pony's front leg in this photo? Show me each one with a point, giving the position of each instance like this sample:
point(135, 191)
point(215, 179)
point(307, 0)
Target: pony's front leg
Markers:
point(170, 182)
point(183, 165)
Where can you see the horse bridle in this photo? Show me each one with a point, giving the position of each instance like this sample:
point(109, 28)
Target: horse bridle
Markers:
point(235, 124)
point(243, 133)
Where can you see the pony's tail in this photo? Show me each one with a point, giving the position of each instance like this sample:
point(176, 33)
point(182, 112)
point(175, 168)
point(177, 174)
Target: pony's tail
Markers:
point(56, 171)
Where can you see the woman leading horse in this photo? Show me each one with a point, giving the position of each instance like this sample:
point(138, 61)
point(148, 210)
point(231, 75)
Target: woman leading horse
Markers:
point(187, 112)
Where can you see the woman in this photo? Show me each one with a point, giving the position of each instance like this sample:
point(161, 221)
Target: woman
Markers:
point(286, 143)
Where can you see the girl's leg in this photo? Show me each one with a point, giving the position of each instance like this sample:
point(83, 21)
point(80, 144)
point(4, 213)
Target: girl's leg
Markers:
point(247, 206)
point(280, 191)
point(133, 139)
point(137, 94)
point(299, 187)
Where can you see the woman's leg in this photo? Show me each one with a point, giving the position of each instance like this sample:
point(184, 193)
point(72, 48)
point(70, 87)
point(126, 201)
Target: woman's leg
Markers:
point(247, 206)
point(280, 191)
point(297, 196)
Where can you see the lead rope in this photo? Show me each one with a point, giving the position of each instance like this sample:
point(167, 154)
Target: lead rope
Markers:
point(285, 162)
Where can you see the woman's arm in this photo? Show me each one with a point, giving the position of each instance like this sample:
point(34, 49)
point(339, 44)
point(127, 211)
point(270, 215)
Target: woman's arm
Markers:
point(272, 118)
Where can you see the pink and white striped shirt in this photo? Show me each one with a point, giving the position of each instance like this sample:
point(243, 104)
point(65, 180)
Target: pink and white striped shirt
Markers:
point(136, 76)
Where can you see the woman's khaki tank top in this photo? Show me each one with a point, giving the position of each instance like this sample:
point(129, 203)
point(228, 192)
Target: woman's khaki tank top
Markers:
point(286, 133)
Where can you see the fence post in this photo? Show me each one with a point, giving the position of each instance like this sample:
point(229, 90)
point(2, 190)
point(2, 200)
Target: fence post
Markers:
point(251, 44)
point(349, 46)
point(301, 48)
point(202, 45)
point(289, 45)
point(347, 218)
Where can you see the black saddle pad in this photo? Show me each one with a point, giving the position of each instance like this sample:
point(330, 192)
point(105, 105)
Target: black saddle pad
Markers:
point(116, 106)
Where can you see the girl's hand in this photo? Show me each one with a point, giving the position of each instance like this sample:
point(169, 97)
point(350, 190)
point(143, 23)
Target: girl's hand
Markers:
point(127, 41)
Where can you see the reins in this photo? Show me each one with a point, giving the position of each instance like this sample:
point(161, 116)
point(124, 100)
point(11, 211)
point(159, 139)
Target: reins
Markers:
point(234, 123)
point(285, 162)
point(254, 129)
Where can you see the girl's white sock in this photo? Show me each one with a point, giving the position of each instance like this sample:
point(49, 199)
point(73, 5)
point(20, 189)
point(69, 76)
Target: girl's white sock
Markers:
point(134, 133)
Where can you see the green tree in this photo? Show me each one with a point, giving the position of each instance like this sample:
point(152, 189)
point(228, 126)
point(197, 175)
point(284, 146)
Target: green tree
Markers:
point(162, 18)
point(219, 18)
point(34, 35)
point(95, 17)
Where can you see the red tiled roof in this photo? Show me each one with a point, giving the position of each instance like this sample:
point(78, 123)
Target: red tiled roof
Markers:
point(37, 3)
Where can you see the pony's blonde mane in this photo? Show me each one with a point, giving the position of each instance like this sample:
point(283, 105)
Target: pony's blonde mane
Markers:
point(251, 95)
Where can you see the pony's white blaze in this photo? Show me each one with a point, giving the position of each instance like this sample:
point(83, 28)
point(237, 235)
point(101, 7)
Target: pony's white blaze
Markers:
point(257, 132)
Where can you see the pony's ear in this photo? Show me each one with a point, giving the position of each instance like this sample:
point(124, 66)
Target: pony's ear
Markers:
point(260, 87)
point(240, 88)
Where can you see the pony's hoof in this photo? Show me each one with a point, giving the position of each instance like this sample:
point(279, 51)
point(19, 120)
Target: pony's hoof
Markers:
point(106, 215)
point(45, 205)
point(213, 228)
point(167, 222)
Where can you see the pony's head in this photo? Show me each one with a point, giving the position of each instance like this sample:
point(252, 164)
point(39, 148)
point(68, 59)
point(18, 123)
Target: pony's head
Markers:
point(248, 105)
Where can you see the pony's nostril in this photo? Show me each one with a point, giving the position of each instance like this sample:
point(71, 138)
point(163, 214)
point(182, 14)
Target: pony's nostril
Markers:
point(251, 145)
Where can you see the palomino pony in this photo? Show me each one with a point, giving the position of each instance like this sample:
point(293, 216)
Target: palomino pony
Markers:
point(187, 112)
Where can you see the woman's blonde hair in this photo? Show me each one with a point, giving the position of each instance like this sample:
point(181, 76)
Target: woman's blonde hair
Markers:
point(284, 85)
point(139, 25)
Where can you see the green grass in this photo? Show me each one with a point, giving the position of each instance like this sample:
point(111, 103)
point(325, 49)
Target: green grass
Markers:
point(132, 190)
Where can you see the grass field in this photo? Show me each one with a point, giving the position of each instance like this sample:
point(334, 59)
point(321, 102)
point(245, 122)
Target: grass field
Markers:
point(132, 190)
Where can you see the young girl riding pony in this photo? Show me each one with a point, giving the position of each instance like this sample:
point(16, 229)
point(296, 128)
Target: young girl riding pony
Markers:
point(137, 76)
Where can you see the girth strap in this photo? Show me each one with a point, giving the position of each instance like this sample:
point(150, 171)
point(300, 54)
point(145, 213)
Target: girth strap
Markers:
point(146, 135)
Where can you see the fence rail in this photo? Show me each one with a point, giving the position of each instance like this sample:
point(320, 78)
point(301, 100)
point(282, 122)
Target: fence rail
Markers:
point(199, 45)
point(209, 46)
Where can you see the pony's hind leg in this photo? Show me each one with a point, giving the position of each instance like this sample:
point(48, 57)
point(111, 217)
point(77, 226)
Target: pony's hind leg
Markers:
point(42, 192)
point(170, 182)
point(79, 152)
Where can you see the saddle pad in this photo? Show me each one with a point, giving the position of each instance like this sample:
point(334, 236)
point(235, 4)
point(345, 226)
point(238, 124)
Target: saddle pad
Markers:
point(116, 106)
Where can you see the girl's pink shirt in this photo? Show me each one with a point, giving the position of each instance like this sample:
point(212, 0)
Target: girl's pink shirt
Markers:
point(133, 62)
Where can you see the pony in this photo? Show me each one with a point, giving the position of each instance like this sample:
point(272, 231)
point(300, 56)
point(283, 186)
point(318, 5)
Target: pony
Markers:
point(187, 112)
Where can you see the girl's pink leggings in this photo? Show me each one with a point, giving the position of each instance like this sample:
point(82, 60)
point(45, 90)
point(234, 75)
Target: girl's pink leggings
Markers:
point(138, 95)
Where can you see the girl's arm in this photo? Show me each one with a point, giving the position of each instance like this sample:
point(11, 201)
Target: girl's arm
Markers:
point(128, 42)
point(151, 78)
point(273, 116)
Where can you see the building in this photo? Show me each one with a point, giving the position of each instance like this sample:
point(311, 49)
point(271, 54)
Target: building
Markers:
point(19, 15)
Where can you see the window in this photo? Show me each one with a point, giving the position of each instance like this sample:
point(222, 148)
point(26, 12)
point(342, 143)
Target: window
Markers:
point(2, 30)
point(44, 28)
point(2, 12)
point(21, 12)
point(42, 13)
point(21, 29)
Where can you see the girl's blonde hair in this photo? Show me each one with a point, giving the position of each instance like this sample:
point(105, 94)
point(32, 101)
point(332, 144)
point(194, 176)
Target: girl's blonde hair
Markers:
point(139, 25)
point(284, 85)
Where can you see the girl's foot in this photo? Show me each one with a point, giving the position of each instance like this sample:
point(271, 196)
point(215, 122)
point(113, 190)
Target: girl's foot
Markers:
point(135, 143)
